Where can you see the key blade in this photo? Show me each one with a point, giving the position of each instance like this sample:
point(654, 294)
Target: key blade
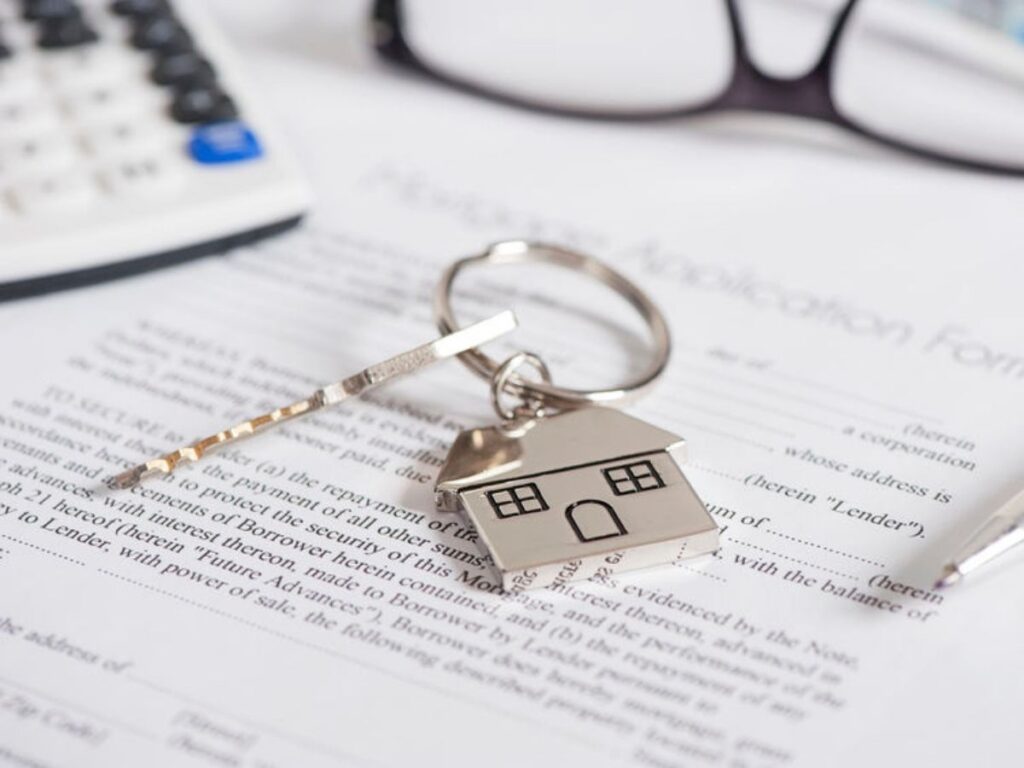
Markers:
point(400, 365)
point(453, 344)
point(164, 465)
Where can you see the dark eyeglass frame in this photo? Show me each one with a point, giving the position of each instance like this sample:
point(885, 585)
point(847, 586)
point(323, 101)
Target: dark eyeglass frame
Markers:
point(810, 95)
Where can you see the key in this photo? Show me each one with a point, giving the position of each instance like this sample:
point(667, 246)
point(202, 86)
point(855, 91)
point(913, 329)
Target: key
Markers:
point(182, 68)
point(43, 10)
point(134, 177)
point(162, 33)
point(129, 137)
point(400, 365)
point(20, 36)
point(18, 80)
point(139, 7)
point(222, 143)
point(66, 32)
point(43, 153)
point(104, 104)
point(24, 119)
point(53, 194)
point(203, 104)
point(6, 212)
point(79, 69)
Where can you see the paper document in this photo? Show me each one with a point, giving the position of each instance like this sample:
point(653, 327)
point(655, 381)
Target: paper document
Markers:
point(848, 372)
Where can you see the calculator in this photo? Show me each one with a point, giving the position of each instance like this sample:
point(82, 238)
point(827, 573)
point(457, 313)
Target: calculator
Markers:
point(129, 140)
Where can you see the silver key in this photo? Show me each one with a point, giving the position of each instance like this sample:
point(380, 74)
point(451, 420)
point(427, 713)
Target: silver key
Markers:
point(400, 365)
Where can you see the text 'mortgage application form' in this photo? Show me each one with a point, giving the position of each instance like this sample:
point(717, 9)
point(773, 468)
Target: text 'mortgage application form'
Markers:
point(847, 371)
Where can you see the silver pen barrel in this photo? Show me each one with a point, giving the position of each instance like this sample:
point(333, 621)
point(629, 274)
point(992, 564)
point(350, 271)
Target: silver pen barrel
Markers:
point(1001, 532)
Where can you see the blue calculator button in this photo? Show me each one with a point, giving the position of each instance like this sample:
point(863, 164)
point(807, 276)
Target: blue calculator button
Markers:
point(227, 142)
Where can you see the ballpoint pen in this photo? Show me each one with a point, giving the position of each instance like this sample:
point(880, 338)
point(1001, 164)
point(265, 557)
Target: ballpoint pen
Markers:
point(1002, 531)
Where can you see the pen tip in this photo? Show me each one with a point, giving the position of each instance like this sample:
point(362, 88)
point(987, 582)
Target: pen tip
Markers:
point(950, 576)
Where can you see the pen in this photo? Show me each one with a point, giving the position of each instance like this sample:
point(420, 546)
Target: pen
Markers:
point(1002, 531)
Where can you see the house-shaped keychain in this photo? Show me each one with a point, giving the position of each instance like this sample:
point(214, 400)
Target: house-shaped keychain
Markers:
point(570, 496)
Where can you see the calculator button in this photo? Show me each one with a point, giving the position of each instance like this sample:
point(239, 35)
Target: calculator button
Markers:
point(203, 104)
point(113, 31)
point(161, 32)
point(105, 103)
point(66, 32)
point(25, 117)
point(17, 80)
point(182, 68)
point(139, 7)
point(38, 10)
point(218, 143)
point(136, 136)
point(63, 192)
point(36, 154)
point(18, 35)
point(93, 66)
point(140, 176)
point(5, 51)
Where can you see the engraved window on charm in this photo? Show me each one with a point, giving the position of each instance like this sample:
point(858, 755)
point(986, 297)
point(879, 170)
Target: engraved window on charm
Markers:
point(517, 500)
point(635, 477)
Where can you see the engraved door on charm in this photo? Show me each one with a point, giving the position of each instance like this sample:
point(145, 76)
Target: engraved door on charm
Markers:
point(593, 519)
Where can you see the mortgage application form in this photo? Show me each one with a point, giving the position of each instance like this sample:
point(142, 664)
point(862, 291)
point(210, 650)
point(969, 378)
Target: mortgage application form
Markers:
point(847, 370)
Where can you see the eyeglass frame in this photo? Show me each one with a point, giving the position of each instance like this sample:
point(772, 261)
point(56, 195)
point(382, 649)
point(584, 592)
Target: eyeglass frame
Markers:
point(750, 88)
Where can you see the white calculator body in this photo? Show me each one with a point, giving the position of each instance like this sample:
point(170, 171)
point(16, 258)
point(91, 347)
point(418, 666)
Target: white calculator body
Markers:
point(129, 140)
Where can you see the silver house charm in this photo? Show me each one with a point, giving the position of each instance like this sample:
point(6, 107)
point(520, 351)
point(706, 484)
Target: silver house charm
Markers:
point(566, 488)
point(566, 497)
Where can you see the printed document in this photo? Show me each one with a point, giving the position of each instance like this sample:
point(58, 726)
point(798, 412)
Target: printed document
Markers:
point(847, 370)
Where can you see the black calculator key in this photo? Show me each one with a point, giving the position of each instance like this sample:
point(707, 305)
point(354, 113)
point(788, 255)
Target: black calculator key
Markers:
point(203, 104)
point(66, 32)
point(39, 10)
point(161, 32)
point(183, 68)
point(139, 7)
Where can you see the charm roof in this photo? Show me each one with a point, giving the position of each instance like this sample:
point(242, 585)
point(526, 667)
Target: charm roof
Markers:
point(573, 438)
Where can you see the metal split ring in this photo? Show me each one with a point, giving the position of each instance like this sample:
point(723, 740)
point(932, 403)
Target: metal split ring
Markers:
point(544, 393)
point(529, 408)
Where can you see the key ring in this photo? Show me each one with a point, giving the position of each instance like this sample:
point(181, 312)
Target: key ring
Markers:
point(544, 392)
point(528, 409)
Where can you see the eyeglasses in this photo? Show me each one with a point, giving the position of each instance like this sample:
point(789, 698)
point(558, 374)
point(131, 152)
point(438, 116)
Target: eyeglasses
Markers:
point(903, 73)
